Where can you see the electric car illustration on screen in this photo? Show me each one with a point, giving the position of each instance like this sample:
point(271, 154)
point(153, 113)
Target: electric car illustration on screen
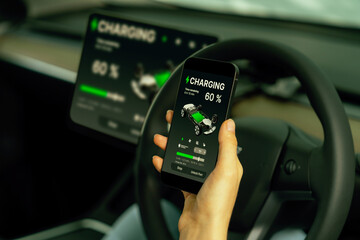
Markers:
point(146, 84)
point(201, 121)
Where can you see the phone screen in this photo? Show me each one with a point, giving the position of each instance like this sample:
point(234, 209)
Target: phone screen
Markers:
point(202, 105)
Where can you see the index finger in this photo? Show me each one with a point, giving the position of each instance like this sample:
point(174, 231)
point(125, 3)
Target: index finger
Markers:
point(169, 116)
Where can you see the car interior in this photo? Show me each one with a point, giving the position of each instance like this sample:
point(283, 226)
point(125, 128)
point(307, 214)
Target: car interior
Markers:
point(79, 112)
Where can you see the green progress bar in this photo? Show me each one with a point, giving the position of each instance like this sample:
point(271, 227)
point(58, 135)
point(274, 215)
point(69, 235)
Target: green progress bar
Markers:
point(92, 90)
point(184, 155)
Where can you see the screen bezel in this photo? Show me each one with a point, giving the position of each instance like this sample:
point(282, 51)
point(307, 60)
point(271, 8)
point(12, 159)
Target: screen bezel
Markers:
point(226, 69)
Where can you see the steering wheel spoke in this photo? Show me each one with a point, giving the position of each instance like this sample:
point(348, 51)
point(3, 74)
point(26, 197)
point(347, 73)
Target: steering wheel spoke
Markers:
point(269, 146)
point(293, 171)
point(266, 218)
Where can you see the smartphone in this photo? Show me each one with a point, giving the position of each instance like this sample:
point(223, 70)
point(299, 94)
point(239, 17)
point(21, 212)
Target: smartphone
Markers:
point(203, 101)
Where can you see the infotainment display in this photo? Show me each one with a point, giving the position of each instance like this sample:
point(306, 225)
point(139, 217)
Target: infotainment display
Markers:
point(123, 65)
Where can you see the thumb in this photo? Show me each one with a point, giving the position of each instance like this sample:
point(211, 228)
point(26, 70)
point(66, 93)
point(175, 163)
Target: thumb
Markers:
point(227, 174)
point(227, 156)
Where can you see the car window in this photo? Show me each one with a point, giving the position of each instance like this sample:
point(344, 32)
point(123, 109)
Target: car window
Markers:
point(336, 13)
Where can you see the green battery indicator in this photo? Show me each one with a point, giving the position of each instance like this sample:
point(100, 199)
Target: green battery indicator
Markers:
point(199, 159)
point(198, 117)
point(93, 90)
point(162, 77)
point(116, 97)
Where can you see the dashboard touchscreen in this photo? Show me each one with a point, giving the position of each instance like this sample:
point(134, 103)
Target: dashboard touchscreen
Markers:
point(123, 64)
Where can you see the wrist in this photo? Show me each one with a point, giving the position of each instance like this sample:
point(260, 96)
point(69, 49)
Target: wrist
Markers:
point(205, 230)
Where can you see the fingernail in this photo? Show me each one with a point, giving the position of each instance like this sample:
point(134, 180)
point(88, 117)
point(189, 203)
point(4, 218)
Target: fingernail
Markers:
point(230, 125)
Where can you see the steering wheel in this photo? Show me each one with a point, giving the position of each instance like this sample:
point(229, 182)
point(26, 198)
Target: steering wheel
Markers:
point(281, 163)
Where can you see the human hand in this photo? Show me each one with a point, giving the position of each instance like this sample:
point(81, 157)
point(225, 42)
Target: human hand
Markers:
point(207, 214)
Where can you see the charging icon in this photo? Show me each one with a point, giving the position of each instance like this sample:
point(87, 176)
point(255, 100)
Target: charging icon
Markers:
point(94, 24)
